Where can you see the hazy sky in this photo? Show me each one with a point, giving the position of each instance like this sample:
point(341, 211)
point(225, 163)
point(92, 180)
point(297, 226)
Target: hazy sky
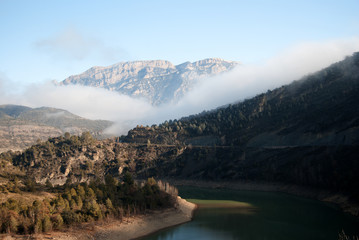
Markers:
point(47, 40)
point(276, 41)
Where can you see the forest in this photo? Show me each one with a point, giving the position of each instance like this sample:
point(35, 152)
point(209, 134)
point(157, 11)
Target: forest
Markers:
point(305, 134)
point(81, 203)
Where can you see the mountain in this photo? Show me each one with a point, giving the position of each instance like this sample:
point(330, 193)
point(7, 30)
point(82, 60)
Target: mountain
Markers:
point(158, 81)
point(21, 126)
point(318, 110)
point(304, 135)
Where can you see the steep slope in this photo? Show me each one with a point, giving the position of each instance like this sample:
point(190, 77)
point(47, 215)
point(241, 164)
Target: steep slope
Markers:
point(305, 133)
point(320, 109)
point(294, 134)
point(326, 171)
point(21, 126)
point(158, 81)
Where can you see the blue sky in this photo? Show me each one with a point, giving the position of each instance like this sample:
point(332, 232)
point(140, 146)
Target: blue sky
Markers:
point(276, 42)
point(47, 40)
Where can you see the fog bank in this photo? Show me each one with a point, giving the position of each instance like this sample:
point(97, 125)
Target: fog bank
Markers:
point(242, 82)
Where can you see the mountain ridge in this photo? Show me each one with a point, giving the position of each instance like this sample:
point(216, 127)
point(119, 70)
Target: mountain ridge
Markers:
point(22, 126)
point(304, 133)
point(331, 92)
point(312, 141)
point(159, 81)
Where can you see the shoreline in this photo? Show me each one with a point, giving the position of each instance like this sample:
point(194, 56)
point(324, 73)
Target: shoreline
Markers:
point(129, 228)
point(340, 200)
point(137, 227)
point(148, 224)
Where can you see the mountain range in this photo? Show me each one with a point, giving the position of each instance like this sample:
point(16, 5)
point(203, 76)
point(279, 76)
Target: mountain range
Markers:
point(319, 109)
point(304, 135)
point(157, 81)
point(22, 126)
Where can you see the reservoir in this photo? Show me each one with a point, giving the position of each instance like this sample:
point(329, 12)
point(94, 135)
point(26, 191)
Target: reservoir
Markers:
point(251, 215)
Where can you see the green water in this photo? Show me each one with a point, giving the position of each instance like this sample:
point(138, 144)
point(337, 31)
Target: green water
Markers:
point(268, 216)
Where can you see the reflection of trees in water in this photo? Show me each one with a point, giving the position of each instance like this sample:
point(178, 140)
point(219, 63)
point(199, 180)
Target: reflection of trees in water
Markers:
point(276, 216)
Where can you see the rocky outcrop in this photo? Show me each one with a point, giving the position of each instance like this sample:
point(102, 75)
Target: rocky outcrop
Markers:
point(158, 81)
point(59, 159)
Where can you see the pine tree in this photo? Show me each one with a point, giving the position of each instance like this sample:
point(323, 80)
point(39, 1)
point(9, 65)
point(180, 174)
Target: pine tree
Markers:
point(57, 221)
point(46, 224)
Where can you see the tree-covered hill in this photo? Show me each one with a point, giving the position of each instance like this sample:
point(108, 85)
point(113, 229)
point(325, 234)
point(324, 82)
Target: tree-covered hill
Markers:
point(62, 182)
point(305, 133)
point(319, 109)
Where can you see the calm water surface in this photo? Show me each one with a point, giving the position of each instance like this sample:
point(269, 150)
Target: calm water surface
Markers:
point(274, 216)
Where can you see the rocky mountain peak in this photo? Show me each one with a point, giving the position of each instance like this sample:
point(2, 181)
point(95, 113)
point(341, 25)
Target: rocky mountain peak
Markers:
point(157, 80)
point(211, 61)
point(138, 65)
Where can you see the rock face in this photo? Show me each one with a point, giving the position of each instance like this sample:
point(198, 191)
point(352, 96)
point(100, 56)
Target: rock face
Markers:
point(158, 81)
point(21, 126)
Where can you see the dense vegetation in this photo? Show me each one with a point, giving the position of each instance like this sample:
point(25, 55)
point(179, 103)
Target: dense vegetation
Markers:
point(305, 133)
point(82, 158)
point(99, 196)
point(320, 109)
point(78, 203)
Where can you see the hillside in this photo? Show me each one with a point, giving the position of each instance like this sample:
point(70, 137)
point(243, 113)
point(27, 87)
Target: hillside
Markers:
point(157, 81)
point(303, 134)
point(319, 110)
point(21, 126)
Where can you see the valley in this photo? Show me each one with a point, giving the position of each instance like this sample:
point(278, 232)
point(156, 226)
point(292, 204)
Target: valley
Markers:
point(301, 138)
point(171, 120)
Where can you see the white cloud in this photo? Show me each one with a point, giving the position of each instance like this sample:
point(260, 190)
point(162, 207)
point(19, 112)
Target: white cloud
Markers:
point(248, 80)
point(74, 45)
point(243, 82)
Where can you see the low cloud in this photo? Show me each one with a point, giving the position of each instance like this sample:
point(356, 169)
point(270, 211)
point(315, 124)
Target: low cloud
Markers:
point(75, 45)
point(88, 102)
point(55, 115)
point(248, 80)
point(243, 82)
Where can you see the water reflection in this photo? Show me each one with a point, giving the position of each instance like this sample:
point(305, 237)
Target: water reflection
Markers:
point(271, 216)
